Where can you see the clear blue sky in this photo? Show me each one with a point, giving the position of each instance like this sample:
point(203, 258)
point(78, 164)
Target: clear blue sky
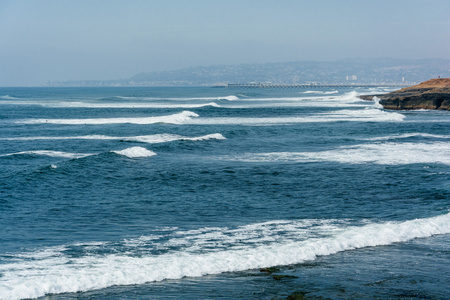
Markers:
point(44, 40)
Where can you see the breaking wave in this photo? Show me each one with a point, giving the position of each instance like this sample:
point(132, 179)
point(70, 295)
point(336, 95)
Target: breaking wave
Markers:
point(48, 153)
point(126, 105)
point(383, 153)
point(321, 92)
point(150, 139)
point(178, 118)
point(197, 253)
point(135, 152)
point(8, 97)
point(408, 135)
point(362, 115)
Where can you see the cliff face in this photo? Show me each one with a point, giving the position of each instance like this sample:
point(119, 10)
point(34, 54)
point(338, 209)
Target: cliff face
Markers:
point(431, 94)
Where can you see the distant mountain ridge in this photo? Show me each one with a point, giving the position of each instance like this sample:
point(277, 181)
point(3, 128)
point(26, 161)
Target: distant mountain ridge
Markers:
point(360, 70)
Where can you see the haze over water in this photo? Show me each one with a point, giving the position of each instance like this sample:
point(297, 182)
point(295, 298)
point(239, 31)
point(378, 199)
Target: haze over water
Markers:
point(52, 40)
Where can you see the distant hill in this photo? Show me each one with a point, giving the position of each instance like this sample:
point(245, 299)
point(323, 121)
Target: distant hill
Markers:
point(380, 70)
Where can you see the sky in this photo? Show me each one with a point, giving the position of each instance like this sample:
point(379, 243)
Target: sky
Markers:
point(59, 40)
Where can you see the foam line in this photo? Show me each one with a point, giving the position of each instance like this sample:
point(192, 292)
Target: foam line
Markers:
point(178, 118)
point(55, 272)
point(408, 135)
point(150, 139)
point(229, 98)
point(380, 153)
point(49, 153)
point(187, 117)
point(8, 97)
point(321, 92)
point(135, 152)
point(362, 115)
point(119, 105)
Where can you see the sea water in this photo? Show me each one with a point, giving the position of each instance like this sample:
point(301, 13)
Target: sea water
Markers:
point(192, 193)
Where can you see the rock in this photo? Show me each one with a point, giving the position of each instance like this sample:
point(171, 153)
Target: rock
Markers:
point(269, 270)
point(279, 277)
point(431, 94)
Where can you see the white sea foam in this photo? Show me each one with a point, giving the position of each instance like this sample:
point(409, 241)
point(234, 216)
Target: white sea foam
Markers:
point(378, 90)
point(7, 97)
point(49, 153)
point(129, 105)
point(321, 92)
point(380, 153)
point(229, 98)
point(187, 117)
point(377, 104)
point(135, 152)
point(408, 135)
point(163, 138)
point(54, 271)
point(178, 118)
point(344, 97)
point(360, 115)
point(349, 100)
point(150, 139)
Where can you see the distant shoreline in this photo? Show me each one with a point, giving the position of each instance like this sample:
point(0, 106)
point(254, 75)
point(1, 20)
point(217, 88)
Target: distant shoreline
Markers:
point(229, 85)
point(307, 85)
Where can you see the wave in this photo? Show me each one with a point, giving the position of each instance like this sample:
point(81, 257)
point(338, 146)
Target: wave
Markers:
point(229, 98)
point(382, 153)
point(123, 105)
point(360, 115)
point(321, 92)
point(376, 101)
point(135, 152)
point(48, 153)
point(408, 135)
point(132, 152)
point(150, 139)
point(8, 97)
point(378, 90)
point(333, 104)
point(198, 253)
point(187, 117)
point(178, 118)
point(349, 97)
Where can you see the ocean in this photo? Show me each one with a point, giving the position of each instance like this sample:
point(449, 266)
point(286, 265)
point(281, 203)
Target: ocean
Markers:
point(221, 193)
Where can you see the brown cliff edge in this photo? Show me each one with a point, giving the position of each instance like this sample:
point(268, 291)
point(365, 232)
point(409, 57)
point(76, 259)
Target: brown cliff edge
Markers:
point(431, 94)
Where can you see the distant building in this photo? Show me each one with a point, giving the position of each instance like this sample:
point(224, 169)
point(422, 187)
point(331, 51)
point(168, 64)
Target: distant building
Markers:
point(352, 78)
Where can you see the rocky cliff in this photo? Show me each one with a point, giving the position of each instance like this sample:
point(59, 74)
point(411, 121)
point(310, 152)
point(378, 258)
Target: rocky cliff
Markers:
point(431, 94)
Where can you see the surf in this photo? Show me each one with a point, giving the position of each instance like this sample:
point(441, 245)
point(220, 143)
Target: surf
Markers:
point(51, 153)
point(55, 271)
point(135, 152)
point(178, 118)
point(150, 139)
point(358, 115)
point(388, 153)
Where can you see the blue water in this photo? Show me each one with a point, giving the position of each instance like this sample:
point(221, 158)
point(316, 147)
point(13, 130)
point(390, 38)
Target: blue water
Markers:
point(187, 193)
